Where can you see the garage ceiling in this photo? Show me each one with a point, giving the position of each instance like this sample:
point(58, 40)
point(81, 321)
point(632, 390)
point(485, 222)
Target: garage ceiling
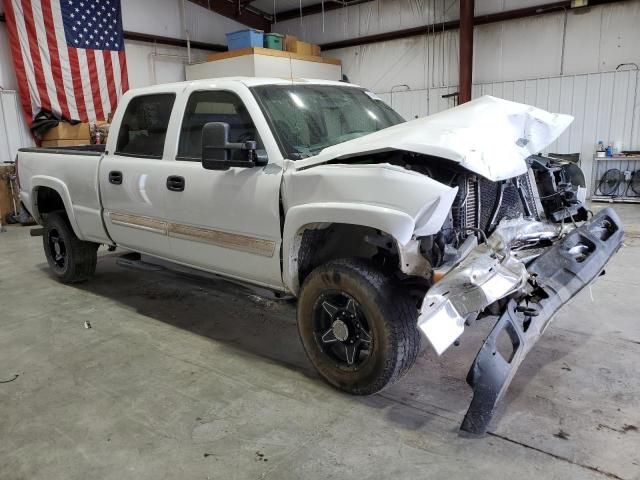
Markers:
point(267, 6)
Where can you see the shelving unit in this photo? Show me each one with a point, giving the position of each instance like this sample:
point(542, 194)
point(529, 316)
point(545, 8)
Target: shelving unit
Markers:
point(265, 62)
point(623, 193)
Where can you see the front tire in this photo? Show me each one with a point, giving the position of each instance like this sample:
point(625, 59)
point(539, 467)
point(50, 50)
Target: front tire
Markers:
point(358, 327)
point(70, 259)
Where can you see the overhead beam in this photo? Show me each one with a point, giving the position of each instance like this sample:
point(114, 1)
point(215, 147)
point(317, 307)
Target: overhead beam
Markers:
point(175, 42)
point(547, 8)
point(316, 8)
point(244, 15)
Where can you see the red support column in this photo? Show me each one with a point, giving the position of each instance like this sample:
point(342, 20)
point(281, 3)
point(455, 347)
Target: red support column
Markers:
point(466, 50)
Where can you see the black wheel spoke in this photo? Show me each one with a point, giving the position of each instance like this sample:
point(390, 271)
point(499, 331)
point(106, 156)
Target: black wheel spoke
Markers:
point(351, 307)
point(330, 308)
point(350, 350)
point(365, 337)
point(329, 336)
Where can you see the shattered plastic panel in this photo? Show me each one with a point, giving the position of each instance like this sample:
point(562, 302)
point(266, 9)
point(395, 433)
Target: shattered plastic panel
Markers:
point(491, 272)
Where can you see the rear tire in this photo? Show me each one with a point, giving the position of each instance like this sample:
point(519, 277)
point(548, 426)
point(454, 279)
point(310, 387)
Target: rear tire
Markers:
point(70, 259)
point(358, 327)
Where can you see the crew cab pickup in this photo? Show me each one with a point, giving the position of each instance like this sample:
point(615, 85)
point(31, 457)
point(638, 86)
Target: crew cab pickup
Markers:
point(384, 230)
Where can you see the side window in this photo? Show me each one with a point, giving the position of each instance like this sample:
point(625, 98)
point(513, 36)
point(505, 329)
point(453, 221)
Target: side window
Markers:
point(144, 126)
point(214, 106)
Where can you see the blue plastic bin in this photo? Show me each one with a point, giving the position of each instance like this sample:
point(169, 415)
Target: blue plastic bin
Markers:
point(245, 39)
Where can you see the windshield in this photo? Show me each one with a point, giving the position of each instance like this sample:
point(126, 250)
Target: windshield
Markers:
point(309, 118)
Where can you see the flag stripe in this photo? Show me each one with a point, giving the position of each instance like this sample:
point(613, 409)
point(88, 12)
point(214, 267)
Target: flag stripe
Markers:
point(86, 84)
point(115, 64)
point(74, 64)
point(103, 89)
point(93, 82)
point(64, 60)
point(111, 82)
point(68, 56)
point(16, 53)
point(26, 54)
point(54, 58)
point(35, 54)
point(45, 56)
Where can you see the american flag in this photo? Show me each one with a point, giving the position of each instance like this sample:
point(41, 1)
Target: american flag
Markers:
point(68, 55)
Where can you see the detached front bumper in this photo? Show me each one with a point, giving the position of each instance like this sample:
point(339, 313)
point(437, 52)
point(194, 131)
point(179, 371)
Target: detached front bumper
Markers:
point(536, 294)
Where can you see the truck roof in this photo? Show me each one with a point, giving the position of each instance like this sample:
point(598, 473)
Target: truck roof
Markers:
point(247, 81)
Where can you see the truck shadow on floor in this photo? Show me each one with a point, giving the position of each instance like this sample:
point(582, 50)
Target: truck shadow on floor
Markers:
point(435, 389)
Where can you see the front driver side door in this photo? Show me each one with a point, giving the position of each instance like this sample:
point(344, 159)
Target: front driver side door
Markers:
point(225, 221)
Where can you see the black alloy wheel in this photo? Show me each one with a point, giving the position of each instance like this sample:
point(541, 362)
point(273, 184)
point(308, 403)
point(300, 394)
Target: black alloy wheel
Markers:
point(57, 248)
point(341, 329)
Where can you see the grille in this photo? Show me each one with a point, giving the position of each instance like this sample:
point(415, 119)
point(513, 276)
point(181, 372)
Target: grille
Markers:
point(477, 201)
point(488, 199)
point(465, 206)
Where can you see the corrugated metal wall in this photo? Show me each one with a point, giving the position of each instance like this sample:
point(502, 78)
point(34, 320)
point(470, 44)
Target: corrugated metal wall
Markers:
point(13, 130)
point(602, 104)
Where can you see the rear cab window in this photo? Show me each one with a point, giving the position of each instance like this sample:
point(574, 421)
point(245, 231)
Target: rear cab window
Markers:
point(144, 126)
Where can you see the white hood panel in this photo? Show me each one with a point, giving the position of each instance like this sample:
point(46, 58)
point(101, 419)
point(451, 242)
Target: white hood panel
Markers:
point(488, 136)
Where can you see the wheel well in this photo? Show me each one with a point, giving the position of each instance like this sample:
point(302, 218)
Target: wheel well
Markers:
point(47, 201)
point(321, 243)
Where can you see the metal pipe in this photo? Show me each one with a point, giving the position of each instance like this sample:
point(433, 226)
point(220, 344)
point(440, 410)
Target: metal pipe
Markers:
point(317, 8)
point(564, 40)
point(186, 32)
point(635, 98)
point(466, 50)
point(152, 59)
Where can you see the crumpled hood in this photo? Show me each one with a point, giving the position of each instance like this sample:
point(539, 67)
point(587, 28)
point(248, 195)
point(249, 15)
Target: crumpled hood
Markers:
point(488, 136)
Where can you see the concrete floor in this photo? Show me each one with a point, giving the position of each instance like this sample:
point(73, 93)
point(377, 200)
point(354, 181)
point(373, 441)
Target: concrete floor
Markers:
point(189, 378)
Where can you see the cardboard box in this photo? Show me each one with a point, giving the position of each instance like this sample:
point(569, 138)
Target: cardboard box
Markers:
point(303, 48)
point(64, 143)
point(290, 43)
point(66, 131)
point(6, 203)
point(315, 50)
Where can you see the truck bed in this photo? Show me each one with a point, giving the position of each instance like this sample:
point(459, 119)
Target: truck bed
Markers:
point(73, 173)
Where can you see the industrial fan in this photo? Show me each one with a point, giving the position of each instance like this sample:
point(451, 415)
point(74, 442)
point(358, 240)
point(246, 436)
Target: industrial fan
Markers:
point(634, 183)
point(610, 182)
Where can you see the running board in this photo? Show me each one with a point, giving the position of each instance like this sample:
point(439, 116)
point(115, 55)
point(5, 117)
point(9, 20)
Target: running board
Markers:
point(134, 260)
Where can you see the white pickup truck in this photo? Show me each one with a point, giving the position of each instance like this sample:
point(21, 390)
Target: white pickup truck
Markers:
point(384, 230)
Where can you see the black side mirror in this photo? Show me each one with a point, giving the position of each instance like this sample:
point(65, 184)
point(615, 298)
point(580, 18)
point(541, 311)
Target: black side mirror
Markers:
point(217, 151)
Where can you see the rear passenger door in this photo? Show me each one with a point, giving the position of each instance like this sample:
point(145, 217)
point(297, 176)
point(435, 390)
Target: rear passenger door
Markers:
point(226, 221)
point(133, 173)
